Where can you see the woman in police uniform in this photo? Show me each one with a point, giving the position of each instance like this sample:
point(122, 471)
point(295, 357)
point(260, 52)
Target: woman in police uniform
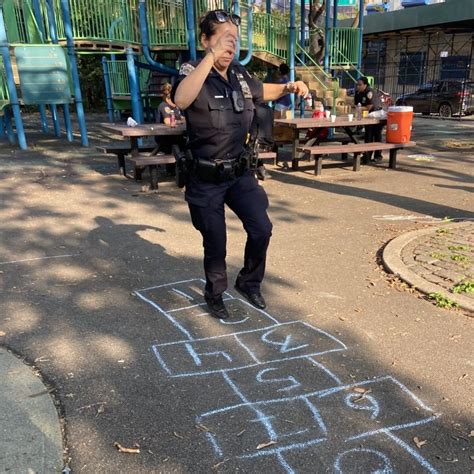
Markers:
point(218, 97)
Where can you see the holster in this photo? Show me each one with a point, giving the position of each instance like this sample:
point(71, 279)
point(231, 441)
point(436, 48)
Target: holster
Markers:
point(184, 164)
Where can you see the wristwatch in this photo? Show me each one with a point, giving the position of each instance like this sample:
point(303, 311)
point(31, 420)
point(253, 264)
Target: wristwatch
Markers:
point(289, 86)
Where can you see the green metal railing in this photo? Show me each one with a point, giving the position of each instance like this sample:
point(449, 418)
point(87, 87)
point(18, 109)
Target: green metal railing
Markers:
point(344, 51)
point(300, 50)
point(4, 94)
point(118, 75)
point(167, 22)
point(101, 20)
point(20, 22)
point(270, 34)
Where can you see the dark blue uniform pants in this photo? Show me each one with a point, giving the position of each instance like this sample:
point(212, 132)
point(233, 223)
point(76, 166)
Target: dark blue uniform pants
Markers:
point(249, 202)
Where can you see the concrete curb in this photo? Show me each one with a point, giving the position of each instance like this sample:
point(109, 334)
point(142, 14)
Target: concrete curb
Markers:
point(393, 263)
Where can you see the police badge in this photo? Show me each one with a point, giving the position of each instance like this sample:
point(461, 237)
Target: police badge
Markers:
point(244, 86)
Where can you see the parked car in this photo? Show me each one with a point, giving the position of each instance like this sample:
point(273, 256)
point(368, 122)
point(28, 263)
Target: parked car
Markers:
point(385, 97)
point(446, 98)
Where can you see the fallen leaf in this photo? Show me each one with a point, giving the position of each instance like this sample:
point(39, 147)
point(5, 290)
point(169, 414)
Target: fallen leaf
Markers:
point(471, 434)
point(463, 376)
point(452, 460)
point(419, 443)
point(266, 445)
point(241, 433)
point(2, 333)
point(123, 449)
point(177, 435)
point(100, 410)
point(361, 390)
point(341, 318)
point(219, 464)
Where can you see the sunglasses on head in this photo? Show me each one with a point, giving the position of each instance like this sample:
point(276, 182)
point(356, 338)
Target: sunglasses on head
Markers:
point(221, 16)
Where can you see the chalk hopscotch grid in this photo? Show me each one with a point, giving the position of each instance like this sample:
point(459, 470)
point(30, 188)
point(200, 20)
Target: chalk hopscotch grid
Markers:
point(256, 406)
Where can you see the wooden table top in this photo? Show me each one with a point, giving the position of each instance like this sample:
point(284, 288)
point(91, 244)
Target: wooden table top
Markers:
point(323, 122)
point(145, 130)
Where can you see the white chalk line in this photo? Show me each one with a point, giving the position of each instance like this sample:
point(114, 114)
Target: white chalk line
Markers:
point(40, 258)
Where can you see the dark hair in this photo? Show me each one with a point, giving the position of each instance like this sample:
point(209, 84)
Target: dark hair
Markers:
point(284, 69)
point(364, 80)
point(207, 24)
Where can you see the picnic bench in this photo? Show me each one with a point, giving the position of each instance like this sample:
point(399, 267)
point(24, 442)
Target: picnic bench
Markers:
point(357, 148)
point(120, 150)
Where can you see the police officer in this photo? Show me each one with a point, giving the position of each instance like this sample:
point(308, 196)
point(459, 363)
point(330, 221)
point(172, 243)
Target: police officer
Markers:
point(370, 101)
point(218, 97)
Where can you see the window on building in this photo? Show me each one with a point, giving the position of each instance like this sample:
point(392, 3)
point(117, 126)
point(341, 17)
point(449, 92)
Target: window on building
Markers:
point(410, 72)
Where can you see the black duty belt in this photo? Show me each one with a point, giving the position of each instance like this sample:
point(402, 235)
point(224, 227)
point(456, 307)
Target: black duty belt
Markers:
point(219, 171)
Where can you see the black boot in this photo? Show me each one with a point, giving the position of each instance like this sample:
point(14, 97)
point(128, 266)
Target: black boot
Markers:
point(216, 306)
point(254, 297)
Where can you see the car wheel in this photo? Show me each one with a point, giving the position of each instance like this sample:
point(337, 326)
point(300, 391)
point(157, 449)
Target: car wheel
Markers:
point(445, 110)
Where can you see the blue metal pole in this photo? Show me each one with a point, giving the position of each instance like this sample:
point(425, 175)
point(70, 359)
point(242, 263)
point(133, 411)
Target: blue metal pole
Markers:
point(9, 127)
point(137, 111)
point(327, 36)
point(190, 23)
point(248, 56)
point(236, 10)
point(142, 14)
point(53, 31)
point(56, 126)
point(302, 31)
point(108, 90)
point(39, 21)
point(268, 6)
point(361, 33)
point(291, 49)
point(75, 74)
point(67, 122)
point(334, 13)
point(14, 104)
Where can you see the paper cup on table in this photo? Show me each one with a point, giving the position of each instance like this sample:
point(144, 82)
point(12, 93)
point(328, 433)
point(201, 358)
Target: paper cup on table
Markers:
point(333, 118)
point(328, 114)
point(350, 117)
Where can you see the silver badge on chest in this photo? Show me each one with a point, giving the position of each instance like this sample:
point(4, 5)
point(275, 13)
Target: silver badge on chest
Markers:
point(244, 86)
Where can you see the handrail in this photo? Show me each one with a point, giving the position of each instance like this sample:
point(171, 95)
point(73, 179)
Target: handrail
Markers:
point(308, 56)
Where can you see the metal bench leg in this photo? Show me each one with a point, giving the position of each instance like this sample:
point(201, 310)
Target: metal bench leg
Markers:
point(345, 156)
point(296, 144)
point(393, 159)
point(121, 164)
point(138, 173)
point(356, 162)
point(318, 164)
point(153, 177)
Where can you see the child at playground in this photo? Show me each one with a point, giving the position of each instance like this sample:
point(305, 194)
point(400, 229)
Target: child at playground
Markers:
point(167, 108)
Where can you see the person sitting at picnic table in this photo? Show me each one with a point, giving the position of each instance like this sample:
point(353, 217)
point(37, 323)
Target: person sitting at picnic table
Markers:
point(166, 109)
point(283, 103)
point(370, 101)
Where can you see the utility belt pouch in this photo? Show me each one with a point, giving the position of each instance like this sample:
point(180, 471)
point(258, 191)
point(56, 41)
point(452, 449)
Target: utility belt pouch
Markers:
point(225, 171)
point(206, 170)
point(182, 166)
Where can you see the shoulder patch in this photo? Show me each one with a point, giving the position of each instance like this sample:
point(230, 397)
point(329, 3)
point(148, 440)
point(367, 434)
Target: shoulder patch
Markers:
point(186, 69)
point(370, 95)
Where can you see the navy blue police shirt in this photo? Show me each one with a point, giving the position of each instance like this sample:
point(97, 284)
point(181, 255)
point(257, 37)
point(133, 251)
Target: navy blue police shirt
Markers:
point(367, 98)
point(215, 129)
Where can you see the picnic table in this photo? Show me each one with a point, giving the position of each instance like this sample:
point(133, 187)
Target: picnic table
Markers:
point(141, 160)
point(342, 122)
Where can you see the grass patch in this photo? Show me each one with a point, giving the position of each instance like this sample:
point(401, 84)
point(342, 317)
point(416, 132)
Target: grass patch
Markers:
point(464, 287)
point(442, 231)
point(438, 255)
point(457, 257)
point(442, 301)
point(459, 248)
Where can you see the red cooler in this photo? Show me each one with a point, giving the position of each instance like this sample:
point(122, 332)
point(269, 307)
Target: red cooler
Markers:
point(399, 122)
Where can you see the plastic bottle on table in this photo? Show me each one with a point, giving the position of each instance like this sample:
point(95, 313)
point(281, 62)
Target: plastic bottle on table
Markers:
point(359, 112)
point(172, 119)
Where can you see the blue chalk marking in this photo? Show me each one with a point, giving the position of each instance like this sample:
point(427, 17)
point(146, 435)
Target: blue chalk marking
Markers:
point(231, 369)
point(393, 428)
point(263, 419)
point(325, 369)
point(282, 449)
point(175, 310)
point(160, 360)
point(224, 321)
point(335, 339)
point(405, 389)
point(352, 402)
point(193, 354)
point(171, 284)
point(196, 355)
point(164, 313)
point(182, 293)
point(387, 469)
point(294, 383)
point(249, 351)
point(294, 433)
point(215, 445)
point(284, 346)
point(284, 464)
point(317, 417)
point(423, 462)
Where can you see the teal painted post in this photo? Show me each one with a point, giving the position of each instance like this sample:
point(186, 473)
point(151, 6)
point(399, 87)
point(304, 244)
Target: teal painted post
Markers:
point(56, 125)
point(327, 36)
point(9, 127)
point(361, 33)
point(2, 126)
point(137, 110)
point(75, 73)
point(108, 90)
point(67, 122)
point(5, 50)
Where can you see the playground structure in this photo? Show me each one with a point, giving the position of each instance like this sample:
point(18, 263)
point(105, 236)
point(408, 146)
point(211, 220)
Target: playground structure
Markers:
point(142, 43)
